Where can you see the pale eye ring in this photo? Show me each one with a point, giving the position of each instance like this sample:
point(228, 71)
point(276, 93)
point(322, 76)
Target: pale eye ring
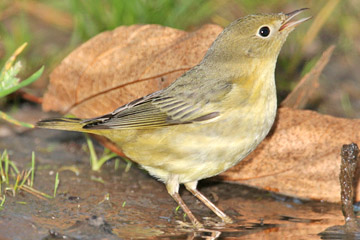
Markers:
point(264, 31)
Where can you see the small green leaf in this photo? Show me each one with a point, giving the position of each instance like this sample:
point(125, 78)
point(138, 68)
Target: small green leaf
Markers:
point(9, 78)
point(57, 181)
point(24, 83)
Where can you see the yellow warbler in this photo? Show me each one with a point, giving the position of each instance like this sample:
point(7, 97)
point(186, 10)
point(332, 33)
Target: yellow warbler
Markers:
point(210, 118)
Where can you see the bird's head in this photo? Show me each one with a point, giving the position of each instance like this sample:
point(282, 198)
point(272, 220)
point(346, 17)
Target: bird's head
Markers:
point(254, 36)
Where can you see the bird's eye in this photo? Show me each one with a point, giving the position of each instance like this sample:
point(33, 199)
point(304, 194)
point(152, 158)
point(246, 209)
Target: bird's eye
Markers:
point(264, 31)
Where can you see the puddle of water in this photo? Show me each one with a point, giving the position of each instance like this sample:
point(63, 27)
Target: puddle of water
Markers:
point(139, 206)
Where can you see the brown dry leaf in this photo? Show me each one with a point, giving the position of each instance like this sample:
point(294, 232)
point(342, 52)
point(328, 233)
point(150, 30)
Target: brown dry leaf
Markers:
point(301, 156)
point(308, 84)
point(118, 66)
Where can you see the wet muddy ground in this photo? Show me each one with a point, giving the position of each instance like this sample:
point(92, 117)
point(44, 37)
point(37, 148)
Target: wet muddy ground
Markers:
point(115, 204)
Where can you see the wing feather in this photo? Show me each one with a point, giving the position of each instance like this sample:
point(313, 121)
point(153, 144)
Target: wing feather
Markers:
point(171, 106)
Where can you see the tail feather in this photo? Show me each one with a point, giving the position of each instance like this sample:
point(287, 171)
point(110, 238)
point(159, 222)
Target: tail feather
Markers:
point(69, 124)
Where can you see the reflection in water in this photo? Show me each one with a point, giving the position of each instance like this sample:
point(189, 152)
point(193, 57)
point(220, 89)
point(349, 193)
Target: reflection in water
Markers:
point(205, 234)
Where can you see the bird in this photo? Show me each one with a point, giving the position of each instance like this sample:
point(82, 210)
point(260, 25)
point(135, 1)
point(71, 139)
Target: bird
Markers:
point(208, 119)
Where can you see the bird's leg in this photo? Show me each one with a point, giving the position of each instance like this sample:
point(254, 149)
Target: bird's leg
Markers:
point(191, 187)
point(172, 186)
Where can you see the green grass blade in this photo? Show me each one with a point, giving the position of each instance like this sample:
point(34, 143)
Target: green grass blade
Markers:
point(2, 173)
point(117, 164)
point(12, 164)
point(32, 168)
point(12, 120)
point(57, 181)
point(93, 157)
point(128, 164)
point(35, 192)
point(16, 185)
point(25, 178)
point(2, 201)
point(105, 158)
point(6, 167)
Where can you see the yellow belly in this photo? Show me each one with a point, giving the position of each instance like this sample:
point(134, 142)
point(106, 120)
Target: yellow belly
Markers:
point(199, 150)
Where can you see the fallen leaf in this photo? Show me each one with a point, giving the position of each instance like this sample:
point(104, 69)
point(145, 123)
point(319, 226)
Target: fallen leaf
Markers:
point(300, 157)
point(118, 66)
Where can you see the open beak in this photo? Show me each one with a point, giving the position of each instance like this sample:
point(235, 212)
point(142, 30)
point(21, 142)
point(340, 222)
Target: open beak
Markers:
point(287, 24)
